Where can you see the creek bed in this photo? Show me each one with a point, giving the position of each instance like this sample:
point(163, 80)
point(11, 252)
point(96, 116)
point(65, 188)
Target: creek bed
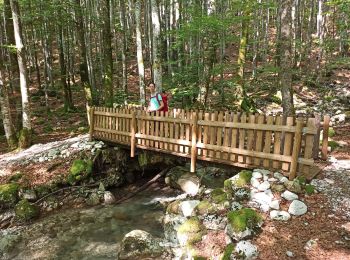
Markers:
point(92, 233)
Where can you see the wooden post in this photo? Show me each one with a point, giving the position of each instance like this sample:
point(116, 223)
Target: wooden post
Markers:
point(325, 137)
point(194, 142)
point(316, 148)
point(91, 131)
point(133, 132)
point(296, 149)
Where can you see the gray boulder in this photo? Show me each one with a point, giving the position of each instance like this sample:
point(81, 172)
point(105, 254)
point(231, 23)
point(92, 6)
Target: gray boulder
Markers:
point(297, 208)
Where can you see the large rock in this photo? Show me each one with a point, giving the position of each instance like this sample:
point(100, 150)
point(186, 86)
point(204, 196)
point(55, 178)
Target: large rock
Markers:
point(26, 211)
point(79, 171)
point(108, 198)
point(8, 194)
point(180, 178)
point(243, 223)
point(171, 223)
point(263, 199)
point(191, 231)
point(139, 244)
point(297, 208)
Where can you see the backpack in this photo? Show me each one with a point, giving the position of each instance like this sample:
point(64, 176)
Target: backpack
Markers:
point(165, 102)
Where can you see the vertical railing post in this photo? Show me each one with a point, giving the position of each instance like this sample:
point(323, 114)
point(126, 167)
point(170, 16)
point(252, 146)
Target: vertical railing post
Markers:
point(296, 149)
point(194, 142)
point(133, 133)
point(324, 151)
point(91, 130)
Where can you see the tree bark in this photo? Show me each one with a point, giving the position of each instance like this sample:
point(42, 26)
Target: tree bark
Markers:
point(140, 65)
point(156, 46)
point(285, 61)
point(25, 137)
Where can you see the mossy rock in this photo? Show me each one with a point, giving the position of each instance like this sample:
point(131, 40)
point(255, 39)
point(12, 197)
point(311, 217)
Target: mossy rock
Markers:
point(8, 194)
point(218, 196)
point(16, 177)
point(228, 186)
point(309, 189)
point(243, 178)
point(26, 211)
point(191, 231)
point(79, 171)
point(228, 252)
point(277, 187)
point(205, 207)
point(243, 219)
point(173, 207)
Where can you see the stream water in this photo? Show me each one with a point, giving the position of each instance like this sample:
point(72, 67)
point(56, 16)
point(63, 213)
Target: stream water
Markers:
point(93, 233)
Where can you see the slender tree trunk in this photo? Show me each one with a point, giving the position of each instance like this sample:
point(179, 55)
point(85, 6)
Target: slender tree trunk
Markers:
point(140, 64)
point(123, 23)
point(25, 137)
point(107, 54)
point(83, 66)
point(156, 63)
point(285, 62)
point(6, 114)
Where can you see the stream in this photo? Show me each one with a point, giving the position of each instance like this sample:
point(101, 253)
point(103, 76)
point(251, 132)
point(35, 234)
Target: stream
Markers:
point(92, 233)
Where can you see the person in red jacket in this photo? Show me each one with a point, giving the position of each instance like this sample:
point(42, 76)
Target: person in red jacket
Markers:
point(157, 102)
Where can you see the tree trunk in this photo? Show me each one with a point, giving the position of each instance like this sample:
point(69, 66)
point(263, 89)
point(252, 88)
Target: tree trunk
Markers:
point(156, 46)
point(25, 137)
point(284, 50)
point(107, 53)
point(140, 64)
point(6, 114)
point(83, 66)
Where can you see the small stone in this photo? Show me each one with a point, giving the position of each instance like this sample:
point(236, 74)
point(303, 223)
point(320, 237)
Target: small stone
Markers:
point(289, 254)
point(293, 186)
point(297, 208)
point(264, 186)
point(41, 159)
point(187, 207)
point(278, 175)
point(284, 179)
point(109, 198)
point(263, 171)
point(289, 195)
point(272, 180)
point(257, 175)
point(279, 215)
point(310, 244)
point(236, 206)
point(246, 249)
point(275, 204)
point(254, 182)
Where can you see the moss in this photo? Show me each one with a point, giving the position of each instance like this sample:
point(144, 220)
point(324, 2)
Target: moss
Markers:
point(244, 178)
point(333, 145)
point(205, 207)
point(301, 179)
point(43, 190)
point(331, 132)
point(228, 252)
point(24, 139)
point(16, 177)
point(193, 229)
point(79, 171)
point(309, 189)
point(228, 186)
point(25, 210)
point(9, 194)
point(244, 218)
point(218, 196)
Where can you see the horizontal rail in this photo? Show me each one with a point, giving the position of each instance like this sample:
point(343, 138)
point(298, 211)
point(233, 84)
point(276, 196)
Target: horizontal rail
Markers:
point(101, 113)
point(164, 119)
point(163, 139)
point(111, 131)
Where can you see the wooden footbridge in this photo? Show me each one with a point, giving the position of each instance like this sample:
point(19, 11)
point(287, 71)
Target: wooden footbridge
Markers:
point(239, 139)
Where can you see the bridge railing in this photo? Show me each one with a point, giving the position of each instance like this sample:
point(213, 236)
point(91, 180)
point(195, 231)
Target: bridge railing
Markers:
point(245, 140)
